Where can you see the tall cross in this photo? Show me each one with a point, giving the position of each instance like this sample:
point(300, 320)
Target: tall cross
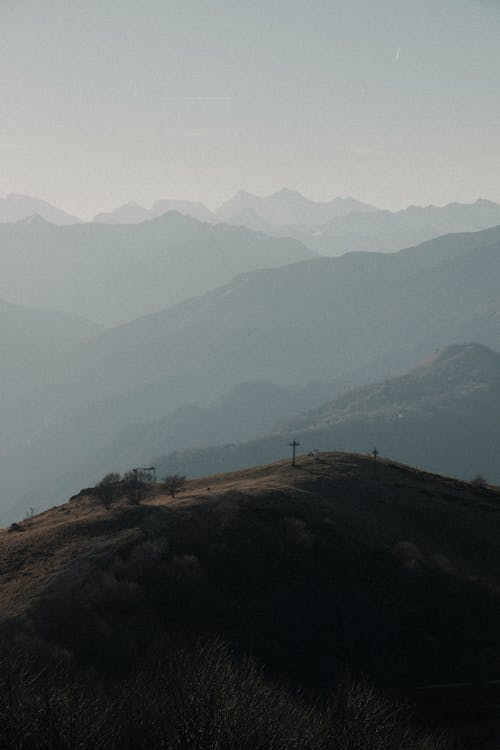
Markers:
point(293, 446)
point(374, 454)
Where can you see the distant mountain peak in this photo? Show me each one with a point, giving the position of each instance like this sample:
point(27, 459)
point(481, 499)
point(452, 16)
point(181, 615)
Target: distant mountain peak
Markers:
point(172, 218)
point(133, 204)
point(15, 207)
point(485, 202)
point(470, 354)
point(285, 208)
point(245, 194)
point(284, 191)
point(134, 213)
point(34, 220)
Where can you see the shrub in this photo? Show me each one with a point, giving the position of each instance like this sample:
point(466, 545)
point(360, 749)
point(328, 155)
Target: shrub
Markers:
point(173, 483)
point(108, 489)
point(200, 698)
point(479, 482)
point(136, 487)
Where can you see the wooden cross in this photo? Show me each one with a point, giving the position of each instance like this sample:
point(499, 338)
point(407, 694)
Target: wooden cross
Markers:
point(375, 454)
point(294, 445)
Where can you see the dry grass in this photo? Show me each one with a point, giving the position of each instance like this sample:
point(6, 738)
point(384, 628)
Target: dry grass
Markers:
point(309, 567)
point(69, 540)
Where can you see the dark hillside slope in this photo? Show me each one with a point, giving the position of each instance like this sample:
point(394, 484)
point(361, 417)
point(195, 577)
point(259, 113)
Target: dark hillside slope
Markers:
point(313, 569)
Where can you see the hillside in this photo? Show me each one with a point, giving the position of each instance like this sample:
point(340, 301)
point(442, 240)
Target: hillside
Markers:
point(442, 415)
point(312, 569)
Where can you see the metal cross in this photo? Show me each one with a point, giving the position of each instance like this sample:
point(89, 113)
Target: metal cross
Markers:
point(294, 445)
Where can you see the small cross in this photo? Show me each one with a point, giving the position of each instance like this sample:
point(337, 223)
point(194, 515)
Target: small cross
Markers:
point(294, 445)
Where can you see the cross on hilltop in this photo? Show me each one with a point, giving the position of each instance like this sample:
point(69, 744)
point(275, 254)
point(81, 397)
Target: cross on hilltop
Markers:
point(293, 445)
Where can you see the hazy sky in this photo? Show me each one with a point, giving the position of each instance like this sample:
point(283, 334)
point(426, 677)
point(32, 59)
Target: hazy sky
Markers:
point(107, 101)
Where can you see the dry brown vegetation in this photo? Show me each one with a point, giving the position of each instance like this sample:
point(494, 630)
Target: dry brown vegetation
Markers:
point(312, 569)
point(402, 508)
point(202, 699)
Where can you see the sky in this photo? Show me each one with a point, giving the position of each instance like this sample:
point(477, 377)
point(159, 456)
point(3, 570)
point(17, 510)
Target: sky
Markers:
point(394, 102)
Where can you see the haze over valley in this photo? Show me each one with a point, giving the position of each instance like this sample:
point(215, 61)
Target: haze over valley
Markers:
point(364, 317)
point(250, 375)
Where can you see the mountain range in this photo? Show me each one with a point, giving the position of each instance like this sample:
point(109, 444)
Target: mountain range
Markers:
point(286, 209)
point(112, 274)
point(275, 212)
point(361, 318)
point(387, 231)
point(133, 213)
point(329, 227)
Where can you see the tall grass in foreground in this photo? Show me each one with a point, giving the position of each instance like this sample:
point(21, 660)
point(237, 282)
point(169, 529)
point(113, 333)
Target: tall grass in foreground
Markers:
point(197, 700)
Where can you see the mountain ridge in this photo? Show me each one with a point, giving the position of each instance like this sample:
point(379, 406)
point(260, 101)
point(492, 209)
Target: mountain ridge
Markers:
point(17, 207)
point(365, 317)
point(115, 273)
point(284, 208)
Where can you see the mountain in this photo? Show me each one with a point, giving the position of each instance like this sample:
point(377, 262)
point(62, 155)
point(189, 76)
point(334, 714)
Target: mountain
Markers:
point(316, 570)
point(132, 213)
point(19, 207)
point(442, 415)
point(113, 274)
point(344, 224)
point(386, 231)
point(355, 319)
point(188, 208)
point(369, 313)
point(284, 210)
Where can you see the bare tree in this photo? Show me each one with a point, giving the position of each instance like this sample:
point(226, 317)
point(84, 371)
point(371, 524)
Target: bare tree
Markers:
point(173, 483)
point(137, 486)
point(108, 488)
point(28, 518)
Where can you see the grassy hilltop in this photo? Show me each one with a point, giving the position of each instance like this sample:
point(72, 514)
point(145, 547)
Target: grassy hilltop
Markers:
point(330, 567)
